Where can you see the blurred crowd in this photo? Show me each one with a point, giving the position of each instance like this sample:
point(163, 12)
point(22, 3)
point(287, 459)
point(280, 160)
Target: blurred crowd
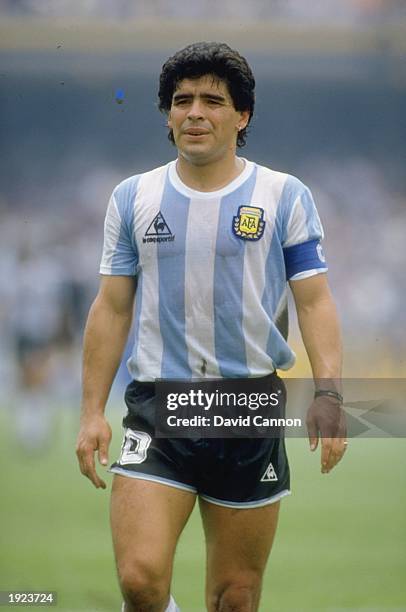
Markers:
point(318, 11)
point(50, 244)
point(49, 275)
point(364, 216)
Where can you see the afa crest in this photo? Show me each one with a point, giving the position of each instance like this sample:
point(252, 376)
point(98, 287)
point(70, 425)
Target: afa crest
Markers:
point(249, 224)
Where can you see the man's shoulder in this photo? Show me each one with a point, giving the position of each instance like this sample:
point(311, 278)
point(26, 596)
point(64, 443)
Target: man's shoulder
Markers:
point(130, 184)
point(281, 187)
point(277, 176)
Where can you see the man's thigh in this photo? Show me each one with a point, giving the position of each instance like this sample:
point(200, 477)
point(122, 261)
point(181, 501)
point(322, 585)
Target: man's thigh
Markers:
point(238, 545)
point(147, 519)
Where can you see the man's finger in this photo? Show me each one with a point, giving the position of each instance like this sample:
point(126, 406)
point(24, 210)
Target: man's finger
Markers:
point(339, 448)
point(103, 453)
point(326, 446)
point(81, 460)
point(87, 467)
point(313, 434)
point(93, 476)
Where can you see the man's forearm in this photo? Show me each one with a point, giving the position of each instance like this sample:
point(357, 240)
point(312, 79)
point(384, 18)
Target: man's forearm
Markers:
point(104, 340)
point(320, 330)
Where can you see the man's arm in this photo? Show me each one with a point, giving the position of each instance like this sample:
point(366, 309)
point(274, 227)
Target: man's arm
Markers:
point(106, 333)
point(320, 329)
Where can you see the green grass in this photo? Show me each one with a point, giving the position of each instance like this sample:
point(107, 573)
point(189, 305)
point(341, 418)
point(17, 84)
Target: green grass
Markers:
point(341, 542)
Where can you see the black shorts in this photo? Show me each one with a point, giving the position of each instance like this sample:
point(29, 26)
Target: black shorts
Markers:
point(233, 472)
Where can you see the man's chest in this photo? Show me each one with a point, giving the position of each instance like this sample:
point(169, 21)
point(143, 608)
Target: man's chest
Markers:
point(198, 229)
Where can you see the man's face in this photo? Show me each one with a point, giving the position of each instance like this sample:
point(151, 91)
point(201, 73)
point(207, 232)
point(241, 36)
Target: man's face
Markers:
point(203, 120)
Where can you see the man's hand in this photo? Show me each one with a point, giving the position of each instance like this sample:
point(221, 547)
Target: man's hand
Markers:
point(94, 435)
point(326, 418)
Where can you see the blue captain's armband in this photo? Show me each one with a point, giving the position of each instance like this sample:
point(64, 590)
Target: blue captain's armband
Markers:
point(304, 257)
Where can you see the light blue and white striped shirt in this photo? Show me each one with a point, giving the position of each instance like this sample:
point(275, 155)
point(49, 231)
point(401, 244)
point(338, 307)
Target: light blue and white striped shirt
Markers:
point(212, 270)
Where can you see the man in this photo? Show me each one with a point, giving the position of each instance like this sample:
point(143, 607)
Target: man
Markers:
point(210, 241)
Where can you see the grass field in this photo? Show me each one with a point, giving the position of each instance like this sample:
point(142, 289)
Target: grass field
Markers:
point(341, 543)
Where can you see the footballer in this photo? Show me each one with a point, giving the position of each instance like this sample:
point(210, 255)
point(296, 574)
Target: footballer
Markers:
point(206, 246)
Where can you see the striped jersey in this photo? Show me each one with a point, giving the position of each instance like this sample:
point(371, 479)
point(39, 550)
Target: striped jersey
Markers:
point(212, 270)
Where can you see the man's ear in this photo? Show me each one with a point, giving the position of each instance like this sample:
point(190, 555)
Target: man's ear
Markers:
point(245, 117)
point(169, 121)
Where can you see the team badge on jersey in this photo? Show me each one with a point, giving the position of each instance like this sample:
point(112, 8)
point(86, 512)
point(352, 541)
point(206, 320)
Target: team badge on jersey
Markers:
point(249, 224)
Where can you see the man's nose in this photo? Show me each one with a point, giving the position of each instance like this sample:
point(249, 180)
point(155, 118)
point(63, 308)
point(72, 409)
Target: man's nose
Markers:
point(196, 110)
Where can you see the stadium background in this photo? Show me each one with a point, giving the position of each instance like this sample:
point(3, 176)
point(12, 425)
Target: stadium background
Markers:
point(330, 109)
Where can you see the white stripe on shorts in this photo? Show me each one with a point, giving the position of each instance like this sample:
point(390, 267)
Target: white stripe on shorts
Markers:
point(254, 504)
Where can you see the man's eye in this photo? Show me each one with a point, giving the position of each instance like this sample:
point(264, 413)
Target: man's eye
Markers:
point(181, 101)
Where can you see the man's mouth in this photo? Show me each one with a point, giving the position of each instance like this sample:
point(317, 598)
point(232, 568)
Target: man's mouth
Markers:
point(196, 132)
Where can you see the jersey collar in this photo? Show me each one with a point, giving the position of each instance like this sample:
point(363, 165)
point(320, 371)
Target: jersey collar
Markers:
point(209, 195)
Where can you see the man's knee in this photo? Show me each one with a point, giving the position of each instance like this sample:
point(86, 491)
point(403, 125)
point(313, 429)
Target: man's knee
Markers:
point(144, 588)
point(238, 596)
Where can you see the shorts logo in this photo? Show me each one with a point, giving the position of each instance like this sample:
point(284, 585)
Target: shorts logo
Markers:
point(158, 230)
point(249, 224)
point(269, 474)
point(134, 448)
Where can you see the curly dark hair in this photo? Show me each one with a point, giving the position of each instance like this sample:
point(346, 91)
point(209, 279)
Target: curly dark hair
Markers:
point(218, 59)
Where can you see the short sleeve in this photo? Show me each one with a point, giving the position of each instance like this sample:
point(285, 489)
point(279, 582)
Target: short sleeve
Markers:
point(302, 233)
point(120, 254)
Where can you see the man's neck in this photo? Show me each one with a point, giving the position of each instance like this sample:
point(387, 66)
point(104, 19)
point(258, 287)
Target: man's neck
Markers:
point(211, 176)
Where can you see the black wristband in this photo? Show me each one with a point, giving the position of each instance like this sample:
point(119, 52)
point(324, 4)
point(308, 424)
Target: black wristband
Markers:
point(335, 394)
